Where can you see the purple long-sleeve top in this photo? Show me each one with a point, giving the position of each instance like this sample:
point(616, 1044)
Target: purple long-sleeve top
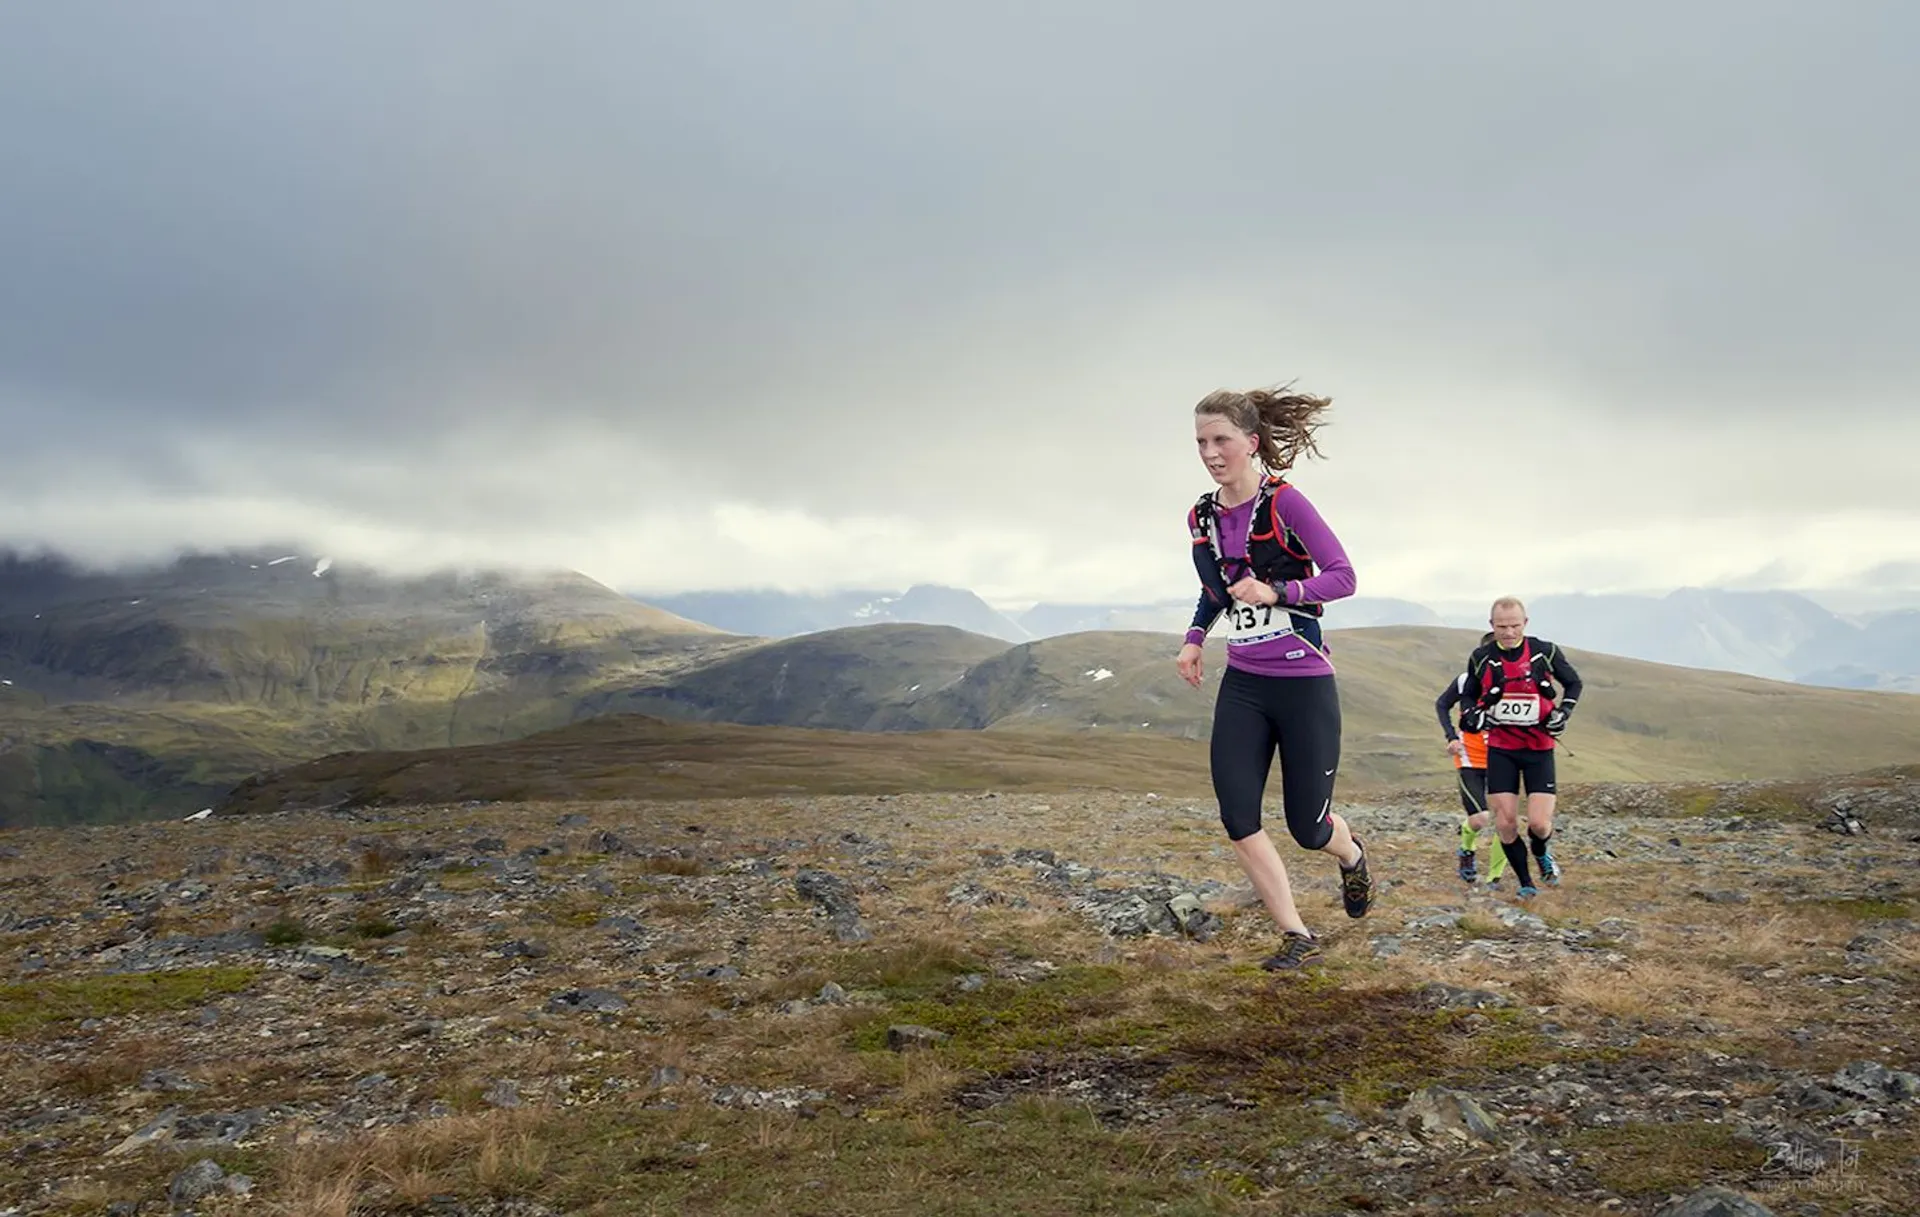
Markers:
point(1294, 654)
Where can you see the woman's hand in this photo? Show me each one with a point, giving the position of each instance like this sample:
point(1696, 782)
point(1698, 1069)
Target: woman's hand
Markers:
point(1456, 748)
point(1251, 591)
point(1189, 664)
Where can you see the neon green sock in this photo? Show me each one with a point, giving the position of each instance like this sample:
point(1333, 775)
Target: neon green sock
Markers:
point(1498, 866)
point(1468, 837)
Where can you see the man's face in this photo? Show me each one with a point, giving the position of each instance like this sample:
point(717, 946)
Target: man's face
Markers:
point(1509, 627)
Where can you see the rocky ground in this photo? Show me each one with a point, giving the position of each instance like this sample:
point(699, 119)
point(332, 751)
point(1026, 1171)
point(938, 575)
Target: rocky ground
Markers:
point(951, 1004)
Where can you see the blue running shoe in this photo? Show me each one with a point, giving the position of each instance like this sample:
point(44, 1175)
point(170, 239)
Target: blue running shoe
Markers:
point(1528, 892)
point(1549, 869)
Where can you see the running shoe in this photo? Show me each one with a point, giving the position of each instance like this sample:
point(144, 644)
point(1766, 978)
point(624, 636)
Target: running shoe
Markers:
point(1356, 885)
point(1298, 951)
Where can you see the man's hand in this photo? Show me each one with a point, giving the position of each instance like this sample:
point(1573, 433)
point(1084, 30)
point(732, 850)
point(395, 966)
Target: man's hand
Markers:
point(1556, 722)
point(1251, 591)
point(1456, 748)
point(1189, 664)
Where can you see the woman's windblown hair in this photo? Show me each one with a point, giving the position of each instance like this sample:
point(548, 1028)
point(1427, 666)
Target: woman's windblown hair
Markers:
point(1283, 421)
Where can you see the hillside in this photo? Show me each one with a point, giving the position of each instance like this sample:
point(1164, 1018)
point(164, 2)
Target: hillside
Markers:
point(634, 756)
point(1638, 721)
point(857, 679)
point(1016, 1002)
point(154, 690)
point(1756, 631)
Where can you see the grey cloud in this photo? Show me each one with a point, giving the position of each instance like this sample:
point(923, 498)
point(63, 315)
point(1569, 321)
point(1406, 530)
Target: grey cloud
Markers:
point(447, 264)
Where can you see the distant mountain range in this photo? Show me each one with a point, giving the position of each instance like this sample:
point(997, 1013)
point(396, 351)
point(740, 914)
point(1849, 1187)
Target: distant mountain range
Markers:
point(1779, 635)
point(776, 614)
point(155, 690)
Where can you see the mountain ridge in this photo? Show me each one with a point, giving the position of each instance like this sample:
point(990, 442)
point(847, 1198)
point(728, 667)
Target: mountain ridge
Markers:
point(149, 694)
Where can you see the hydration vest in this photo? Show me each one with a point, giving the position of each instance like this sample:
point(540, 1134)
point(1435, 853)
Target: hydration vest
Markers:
point(1529, 674)
point(1275, 554)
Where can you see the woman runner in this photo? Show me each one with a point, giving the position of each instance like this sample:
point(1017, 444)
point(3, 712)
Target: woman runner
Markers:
point(1256, 543)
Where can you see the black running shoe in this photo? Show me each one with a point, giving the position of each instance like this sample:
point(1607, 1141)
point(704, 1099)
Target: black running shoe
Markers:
point(1356, 886)
point(1299, 951)
point(1468, 870)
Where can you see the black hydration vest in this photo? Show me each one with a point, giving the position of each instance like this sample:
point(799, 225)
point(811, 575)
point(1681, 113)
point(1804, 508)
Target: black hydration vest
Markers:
point(1274, 553)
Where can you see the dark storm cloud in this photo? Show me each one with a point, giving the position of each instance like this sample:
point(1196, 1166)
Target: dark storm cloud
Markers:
point(462, 266)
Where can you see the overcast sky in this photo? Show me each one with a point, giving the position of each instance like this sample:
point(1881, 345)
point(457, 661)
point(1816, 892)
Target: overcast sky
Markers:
point(827, 293)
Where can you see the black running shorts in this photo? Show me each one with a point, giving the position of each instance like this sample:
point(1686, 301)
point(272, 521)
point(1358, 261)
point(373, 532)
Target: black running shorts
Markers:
point(1506, 765)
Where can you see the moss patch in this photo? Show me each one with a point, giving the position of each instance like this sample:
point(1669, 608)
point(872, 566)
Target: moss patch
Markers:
point(1655, 1159)
point(1078, 1008)
point(32, 1004)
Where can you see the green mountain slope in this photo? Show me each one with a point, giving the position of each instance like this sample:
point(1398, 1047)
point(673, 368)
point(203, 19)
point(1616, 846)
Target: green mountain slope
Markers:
point(153, 691)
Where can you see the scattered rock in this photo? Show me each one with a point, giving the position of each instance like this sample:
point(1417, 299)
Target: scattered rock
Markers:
point(1724, 896)
point(504, 1094)
point(831, 994)
point(1449, 997)
point(1809, 1098)
point(1619, 929)
point(574, 1001)
point(833, 895)
point(1437, 1110)
point(606, 843)
point(790, 1098)
point(219, 1127)
point(1520, 919)
point(1841, 820)
point(1715, 1202)
point(903, 1037)
point(162, 1081)
point(196, 1182)
point(1163, 905)
point(973, 895)
point(1875, 1083)
point(1194, 921)
point(160, 1128)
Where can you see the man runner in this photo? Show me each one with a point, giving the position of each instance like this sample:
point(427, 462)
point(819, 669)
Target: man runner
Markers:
point(1521, 690)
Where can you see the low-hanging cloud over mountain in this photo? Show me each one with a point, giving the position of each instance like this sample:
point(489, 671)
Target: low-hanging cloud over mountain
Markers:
point(725, 295)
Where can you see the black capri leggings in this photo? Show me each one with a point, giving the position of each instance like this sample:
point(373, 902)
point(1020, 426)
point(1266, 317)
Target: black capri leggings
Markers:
point(1299, 715)
point(1473, 790)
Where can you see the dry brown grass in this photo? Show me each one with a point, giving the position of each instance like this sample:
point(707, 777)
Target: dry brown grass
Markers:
point(106, 1066)
point(321, 1179)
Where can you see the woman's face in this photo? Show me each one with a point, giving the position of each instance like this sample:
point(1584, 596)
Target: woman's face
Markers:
point(1225, 449)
